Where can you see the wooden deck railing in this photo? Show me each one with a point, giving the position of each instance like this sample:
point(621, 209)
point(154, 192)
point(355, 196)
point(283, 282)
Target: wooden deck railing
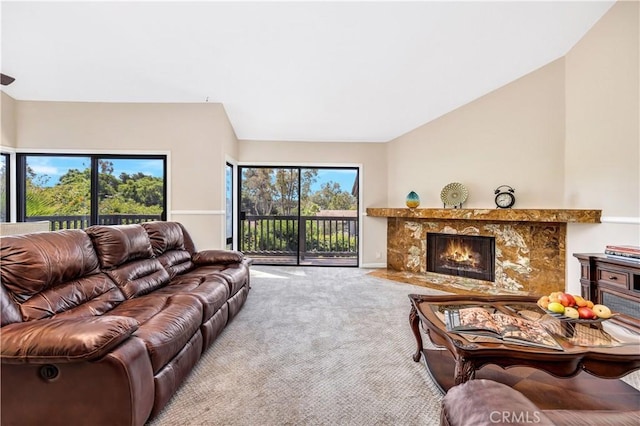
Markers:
point(318, 236)
point(81, 222)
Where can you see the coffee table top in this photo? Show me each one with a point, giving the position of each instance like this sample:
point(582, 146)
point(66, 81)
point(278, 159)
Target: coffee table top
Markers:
point(594, 347)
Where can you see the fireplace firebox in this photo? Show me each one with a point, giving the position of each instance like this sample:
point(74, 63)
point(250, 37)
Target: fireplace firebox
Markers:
point(470, 256)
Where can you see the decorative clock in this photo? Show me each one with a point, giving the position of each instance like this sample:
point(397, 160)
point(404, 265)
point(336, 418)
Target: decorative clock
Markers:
point(504, 197)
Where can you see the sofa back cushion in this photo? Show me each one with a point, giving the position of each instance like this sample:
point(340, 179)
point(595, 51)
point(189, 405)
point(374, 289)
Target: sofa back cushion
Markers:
point(48, 273)
point(168, 243)
point(118, 244)
point(164, 236)
point(126, 256)
point(32, 263)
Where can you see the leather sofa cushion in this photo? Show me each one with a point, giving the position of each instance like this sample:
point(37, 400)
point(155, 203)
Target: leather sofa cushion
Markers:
point(484, 402)
point(212, 292)
point(117, 245)
point(176, 262)
point(63, 340)
point(164, 236)
point(167, 240)
point(139, 277)
point(92, 295)
point(220, 257)
point(237, 276)
point(234, 275)
point(33, 263)
point(166, 323)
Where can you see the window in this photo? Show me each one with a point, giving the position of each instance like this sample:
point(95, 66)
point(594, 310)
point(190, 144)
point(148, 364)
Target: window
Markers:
point(75, 191)
point(4, 188)
point(299, 215)
point(229, 205)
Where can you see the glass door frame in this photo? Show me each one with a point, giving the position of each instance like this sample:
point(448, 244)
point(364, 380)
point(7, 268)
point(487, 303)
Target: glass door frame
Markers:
point(358, 168)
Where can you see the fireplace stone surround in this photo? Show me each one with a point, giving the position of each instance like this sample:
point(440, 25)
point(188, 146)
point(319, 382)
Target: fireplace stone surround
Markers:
point(529, 246)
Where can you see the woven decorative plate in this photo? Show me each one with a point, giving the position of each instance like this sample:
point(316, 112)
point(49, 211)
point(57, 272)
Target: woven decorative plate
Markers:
point(454, 194)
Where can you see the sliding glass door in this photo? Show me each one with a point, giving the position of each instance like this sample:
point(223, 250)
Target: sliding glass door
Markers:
point(299, 215)
point(269, 214)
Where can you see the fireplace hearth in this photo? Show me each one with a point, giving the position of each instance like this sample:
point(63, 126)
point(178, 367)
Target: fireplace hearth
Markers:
point(468, 256)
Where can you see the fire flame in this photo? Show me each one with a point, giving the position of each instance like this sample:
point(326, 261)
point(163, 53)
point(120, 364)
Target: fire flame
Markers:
point(459, 252)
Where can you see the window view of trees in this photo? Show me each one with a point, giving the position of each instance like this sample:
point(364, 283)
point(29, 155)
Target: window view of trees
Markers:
point(322, 202)
point(274, 192)
point(61, 186)
point(70, 195)
point(137, 192)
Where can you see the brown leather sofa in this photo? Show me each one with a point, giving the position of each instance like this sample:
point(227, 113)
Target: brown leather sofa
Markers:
point(485, 402)
point(101, 326)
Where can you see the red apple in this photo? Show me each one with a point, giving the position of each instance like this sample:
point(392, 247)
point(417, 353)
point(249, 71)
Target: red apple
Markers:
point(586, 313)
point(566, 299)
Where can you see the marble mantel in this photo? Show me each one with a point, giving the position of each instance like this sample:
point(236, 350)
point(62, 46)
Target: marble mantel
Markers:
point(530, 246)
point(495, 215)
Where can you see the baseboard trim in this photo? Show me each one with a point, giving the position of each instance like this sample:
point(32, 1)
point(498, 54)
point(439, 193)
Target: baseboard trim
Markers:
point(624, 220)
point(373, 265)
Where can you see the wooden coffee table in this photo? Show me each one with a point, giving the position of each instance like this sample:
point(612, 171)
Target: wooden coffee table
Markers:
point(463, 357)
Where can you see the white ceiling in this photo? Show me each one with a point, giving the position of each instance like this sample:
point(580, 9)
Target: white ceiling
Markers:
point(304, 71)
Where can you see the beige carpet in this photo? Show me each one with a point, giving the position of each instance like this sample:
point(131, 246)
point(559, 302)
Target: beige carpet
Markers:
point(312, 346)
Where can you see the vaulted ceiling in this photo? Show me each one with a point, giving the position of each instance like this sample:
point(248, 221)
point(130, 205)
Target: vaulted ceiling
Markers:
point(303, 71)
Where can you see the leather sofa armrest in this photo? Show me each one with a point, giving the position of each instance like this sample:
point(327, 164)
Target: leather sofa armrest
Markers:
point(63, 340)
point(485, 402)
point(217, 257)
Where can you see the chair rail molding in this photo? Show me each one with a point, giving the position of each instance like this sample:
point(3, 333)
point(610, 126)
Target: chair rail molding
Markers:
point(622, 220)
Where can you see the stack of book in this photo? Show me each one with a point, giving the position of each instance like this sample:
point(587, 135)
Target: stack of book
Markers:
point(623, 252)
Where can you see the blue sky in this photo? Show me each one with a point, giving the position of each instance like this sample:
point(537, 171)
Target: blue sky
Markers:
point(344, 177)
point(54, 167)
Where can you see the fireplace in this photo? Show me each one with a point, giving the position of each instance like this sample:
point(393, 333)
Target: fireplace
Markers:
point(468, 256)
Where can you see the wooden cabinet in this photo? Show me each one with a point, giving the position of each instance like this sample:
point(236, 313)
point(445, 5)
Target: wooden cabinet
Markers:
point(613, 282)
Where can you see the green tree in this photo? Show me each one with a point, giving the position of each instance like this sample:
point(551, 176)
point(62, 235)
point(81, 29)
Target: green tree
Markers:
point(286, 189)
point(332, 197)
point(258, 191)
point(144, 190)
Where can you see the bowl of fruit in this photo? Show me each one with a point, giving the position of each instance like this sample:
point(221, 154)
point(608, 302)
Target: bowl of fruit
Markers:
point(573, 308)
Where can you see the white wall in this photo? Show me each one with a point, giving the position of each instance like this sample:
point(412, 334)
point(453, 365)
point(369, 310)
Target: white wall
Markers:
point(602, 149)
point(512, 136)
point(8, 122)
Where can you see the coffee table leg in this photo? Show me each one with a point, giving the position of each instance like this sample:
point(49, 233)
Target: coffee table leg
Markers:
point(414, 320)
point(464, 371)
